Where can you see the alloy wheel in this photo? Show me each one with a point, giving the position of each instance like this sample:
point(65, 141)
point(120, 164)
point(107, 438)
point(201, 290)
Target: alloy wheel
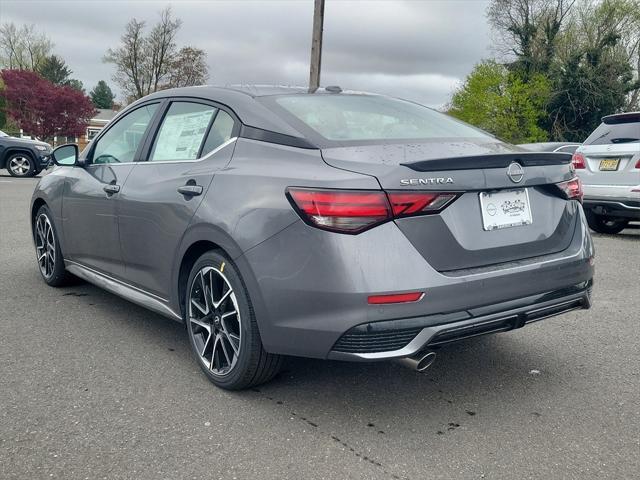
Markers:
point(45, 246)
point(20, 165)
point(214, 320)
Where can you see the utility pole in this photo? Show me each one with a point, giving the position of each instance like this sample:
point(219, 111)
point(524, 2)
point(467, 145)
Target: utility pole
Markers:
point(316, 46)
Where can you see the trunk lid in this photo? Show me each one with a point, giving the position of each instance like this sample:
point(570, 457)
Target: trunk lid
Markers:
point(456, 238)
point(625, 157)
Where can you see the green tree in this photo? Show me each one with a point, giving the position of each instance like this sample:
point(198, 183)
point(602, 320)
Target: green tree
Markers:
point(502, 103)
point(54, 69)
point(588, 51)
point(102, 96)
point(594, 72)
point(76, 85)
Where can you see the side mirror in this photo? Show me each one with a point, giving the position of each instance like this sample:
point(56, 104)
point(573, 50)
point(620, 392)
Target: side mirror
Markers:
point(65, 155)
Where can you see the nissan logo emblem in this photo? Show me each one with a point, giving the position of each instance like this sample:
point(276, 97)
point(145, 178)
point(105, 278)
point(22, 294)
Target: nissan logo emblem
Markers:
point(515, 172)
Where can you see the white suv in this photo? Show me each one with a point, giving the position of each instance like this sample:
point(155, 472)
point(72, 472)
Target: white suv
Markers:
point(608, 163)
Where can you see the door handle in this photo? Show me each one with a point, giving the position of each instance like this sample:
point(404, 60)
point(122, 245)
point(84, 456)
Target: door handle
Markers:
point(111, 189)
point(190, 190)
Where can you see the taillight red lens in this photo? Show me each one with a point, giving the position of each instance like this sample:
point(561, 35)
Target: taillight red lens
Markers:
point(578, 161)
point(415, 203)
point(395, 298)
point(638, 164)
point(353, 211)
point(572, 189)
point(341, 210)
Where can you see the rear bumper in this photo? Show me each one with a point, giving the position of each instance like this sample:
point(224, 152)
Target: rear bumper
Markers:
point(372, 341)
point(309, 287)
point(613, 200)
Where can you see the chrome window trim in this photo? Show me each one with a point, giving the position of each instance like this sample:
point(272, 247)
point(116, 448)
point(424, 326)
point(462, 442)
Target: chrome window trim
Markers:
point(150, 162)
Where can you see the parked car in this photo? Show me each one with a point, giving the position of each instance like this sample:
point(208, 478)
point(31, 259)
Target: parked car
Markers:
point(561, 147)
point(609, 165)
point(339, 225)
point(23, 157)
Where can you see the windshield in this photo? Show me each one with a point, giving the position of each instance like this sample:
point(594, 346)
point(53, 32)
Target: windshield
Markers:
point(347, 117)
point(617, 133)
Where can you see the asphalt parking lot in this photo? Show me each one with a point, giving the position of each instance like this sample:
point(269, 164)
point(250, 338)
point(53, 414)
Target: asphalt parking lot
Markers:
point(92, 386)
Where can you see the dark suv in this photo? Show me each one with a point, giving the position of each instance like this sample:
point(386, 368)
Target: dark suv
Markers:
point(23, 157)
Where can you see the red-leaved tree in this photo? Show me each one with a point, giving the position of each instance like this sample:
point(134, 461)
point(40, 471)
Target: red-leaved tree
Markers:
point(43, 109)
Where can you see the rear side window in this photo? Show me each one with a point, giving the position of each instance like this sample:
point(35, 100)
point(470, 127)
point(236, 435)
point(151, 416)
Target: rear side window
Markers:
point(617, 133)
point(182, 132)
point(347, 117)
point(220, 132)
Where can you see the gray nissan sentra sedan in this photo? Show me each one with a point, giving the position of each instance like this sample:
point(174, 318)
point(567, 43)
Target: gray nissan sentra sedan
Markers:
point(336, 224)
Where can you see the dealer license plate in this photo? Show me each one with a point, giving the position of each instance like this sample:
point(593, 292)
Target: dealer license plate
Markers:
point(505, 208)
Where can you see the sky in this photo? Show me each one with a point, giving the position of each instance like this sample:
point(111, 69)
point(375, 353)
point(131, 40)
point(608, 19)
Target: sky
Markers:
point(419, 50)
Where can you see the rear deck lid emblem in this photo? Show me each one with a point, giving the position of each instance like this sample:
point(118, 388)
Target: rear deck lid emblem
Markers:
point(515, 172)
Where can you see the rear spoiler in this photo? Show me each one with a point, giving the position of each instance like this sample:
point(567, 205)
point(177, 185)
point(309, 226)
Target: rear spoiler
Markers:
point(500, 160)
point(617, 118)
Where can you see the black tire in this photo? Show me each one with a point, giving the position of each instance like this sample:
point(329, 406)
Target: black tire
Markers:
point(251, 365)
point(55, 275)
point(21, 165)
point(603, 224)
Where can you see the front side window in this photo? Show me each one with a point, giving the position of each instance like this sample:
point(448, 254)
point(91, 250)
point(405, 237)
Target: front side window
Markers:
point(182, 132)
point(120, 143)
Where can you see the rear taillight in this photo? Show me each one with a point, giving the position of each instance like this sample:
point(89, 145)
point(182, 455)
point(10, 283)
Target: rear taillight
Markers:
point(638, 164)
point(354, 211)
point(404, 204)
point(578, 161)
point(572, 189)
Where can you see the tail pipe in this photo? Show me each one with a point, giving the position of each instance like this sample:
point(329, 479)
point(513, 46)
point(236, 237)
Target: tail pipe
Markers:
point(419, 362)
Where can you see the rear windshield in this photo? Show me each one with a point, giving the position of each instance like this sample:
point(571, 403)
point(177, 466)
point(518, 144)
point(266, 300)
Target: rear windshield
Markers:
point(618, 133)
point(345, 118)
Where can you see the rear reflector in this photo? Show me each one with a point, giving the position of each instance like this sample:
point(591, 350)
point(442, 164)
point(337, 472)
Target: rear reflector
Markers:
point(572, 190)
point(395, 298)
point(578, 161)
point(353, 211)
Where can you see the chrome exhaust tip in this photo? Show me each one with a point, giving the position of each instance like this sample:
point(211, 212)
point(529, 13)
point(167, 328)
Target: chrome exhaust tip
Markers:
point(419, 362)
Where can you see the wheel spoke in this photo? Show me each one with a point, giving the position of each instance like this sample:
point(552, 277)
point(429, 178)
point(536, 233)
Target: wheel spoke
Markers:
point(200, 323)
point(223, 298)
point(234, 341)
point(226, 354)
point(206, 342)
point(202, 309)
point(214, 355)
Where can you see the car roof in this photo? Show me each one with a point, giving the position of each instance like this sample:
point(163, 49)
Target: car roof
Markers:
point(241, 99)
